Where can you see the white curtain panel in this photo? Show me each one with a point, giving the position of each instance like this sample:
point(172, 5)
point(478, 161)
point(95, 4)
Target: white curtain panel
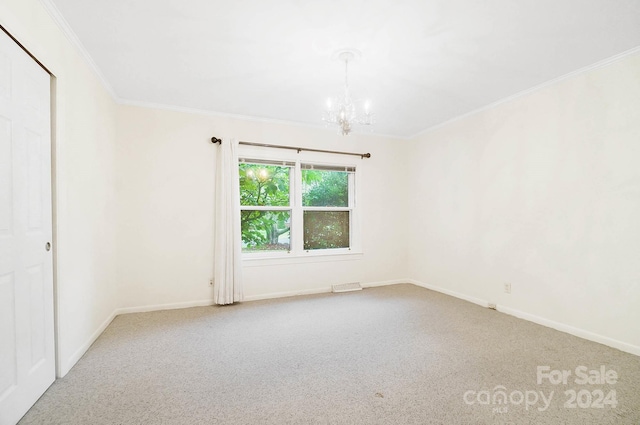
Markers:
point(228, 245)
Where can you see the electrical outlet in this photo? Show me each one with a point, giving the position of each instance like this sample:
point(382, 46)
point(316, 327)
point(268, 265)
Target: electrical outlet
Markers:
point(211, 282)
point(507, 288)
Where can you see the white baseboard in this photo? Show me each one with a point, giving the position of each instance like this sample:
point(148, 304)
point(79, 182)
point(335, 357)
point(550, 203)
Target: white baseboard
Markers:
point(64, 369)
point(71, 361)
point(322, 290)
point(170, 306)
point(286, 294)
point(267, 296)
point(581, 333)
point(623, 346)
point(479, 301)
point(385, 283)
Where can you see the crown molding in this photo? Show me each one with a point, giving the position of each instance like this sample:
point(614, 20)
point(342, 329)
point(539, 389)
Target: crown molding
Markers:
point(66, 29)
point(64, 26)
point(599, 64)
point(207, 112)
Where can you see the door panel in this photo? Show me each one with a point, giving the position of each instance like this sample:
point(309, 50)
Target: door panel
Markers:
point(27, 358)
point(6, 176)
point(34, 179)
point(9, 370)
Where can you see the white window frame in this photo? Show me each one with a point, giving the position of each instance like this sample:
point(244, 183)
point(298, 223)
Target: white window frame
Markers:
point(297, 250)
point(290, 207)
point(349, 208)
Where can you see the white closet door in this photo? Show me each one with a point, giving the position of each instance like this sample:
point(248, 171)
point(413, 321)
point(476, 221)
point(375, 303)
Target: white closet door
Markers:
point(27, 358)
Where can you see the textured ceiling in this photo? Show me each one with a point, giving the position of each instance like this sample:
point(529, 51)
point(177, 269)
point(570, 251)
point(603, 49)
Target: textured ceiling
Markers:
point(424, 62)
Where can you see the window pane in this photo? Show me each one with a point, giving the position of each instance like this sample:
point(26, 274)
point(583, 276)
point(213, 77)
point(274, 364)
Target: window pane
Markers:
point(325, 188)
point(265, 230)
point(326, 229)
point(262, 185)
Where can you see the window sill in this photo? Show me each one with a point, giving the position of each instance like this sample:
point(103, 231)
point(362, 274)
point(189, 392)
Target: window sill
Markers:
point(316, 257)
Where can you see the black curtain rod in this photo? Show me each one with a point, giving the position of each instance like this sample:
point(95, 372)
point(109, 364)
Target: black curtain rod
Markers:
point(263, 145)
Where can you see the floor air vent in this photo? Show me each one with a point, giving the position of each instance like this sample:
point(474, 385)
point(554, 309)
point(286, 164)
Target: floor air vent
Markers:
point(346, 287)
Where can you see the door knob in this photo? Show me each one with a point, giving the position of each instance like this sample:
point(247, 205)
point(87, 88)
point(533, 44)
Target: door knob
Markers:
point(48, 246)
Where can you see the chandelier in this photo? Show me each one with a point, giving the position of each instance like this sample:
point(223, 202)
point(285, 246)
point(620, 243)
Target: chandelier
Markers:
point(344, 111)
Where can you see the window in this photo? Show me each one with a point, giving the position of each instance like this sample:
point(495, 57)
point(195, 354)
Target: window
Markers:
point(296, 207)
point(265, 206)
point(325, 202)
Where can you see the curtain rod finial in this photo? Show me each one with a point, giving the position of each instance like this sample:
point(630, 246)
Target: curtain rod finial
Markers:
point(366, 155)
point(214, 139)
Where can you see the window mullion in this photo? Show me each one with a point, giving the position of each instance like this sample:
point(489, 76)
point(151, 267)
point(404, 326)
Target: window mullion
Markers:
point(297, 232)
point(327, 208)
point(264, 208)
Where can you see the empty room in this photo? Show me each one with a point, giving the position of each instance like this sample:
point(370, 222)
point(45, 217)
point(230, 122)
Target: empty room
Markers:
point(338, 212)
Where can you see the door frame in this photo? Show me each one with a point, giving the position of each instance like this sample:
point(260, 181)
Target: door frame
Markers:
point(54, 203)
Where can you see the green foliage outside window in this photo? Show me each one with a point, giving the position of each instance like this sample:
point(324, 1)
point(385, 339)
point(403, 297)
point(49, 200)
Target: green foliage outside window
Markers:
point(264, 185)
point(325, 229)
point(270, 229)
point(325, 188)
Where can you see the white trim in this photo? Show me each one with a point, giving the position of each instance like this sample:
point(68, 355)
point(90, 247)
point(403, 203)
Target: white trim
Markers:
point(297, 209)
point(279, 258)
point(64, 26)
point(71, 361)
point(525, 92)
point(169, 306)
point(581, 333)
point(208, 112)
point(322, 290)
point(522, 93)
point(73, 38)
point(386, 283)
point(66, 29)
point(623, 346)
point(286, 294)
point(479, 301)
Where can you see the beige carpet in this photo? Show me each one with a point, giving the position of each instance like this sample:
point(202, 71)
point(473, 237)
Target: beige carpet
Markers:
point(390, 355)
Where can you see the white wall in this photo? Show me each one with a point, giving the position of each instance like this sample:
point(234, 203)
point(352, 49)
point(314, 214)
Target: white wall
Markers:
point(84, 173)
point(543, 192)
point(166, 187)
